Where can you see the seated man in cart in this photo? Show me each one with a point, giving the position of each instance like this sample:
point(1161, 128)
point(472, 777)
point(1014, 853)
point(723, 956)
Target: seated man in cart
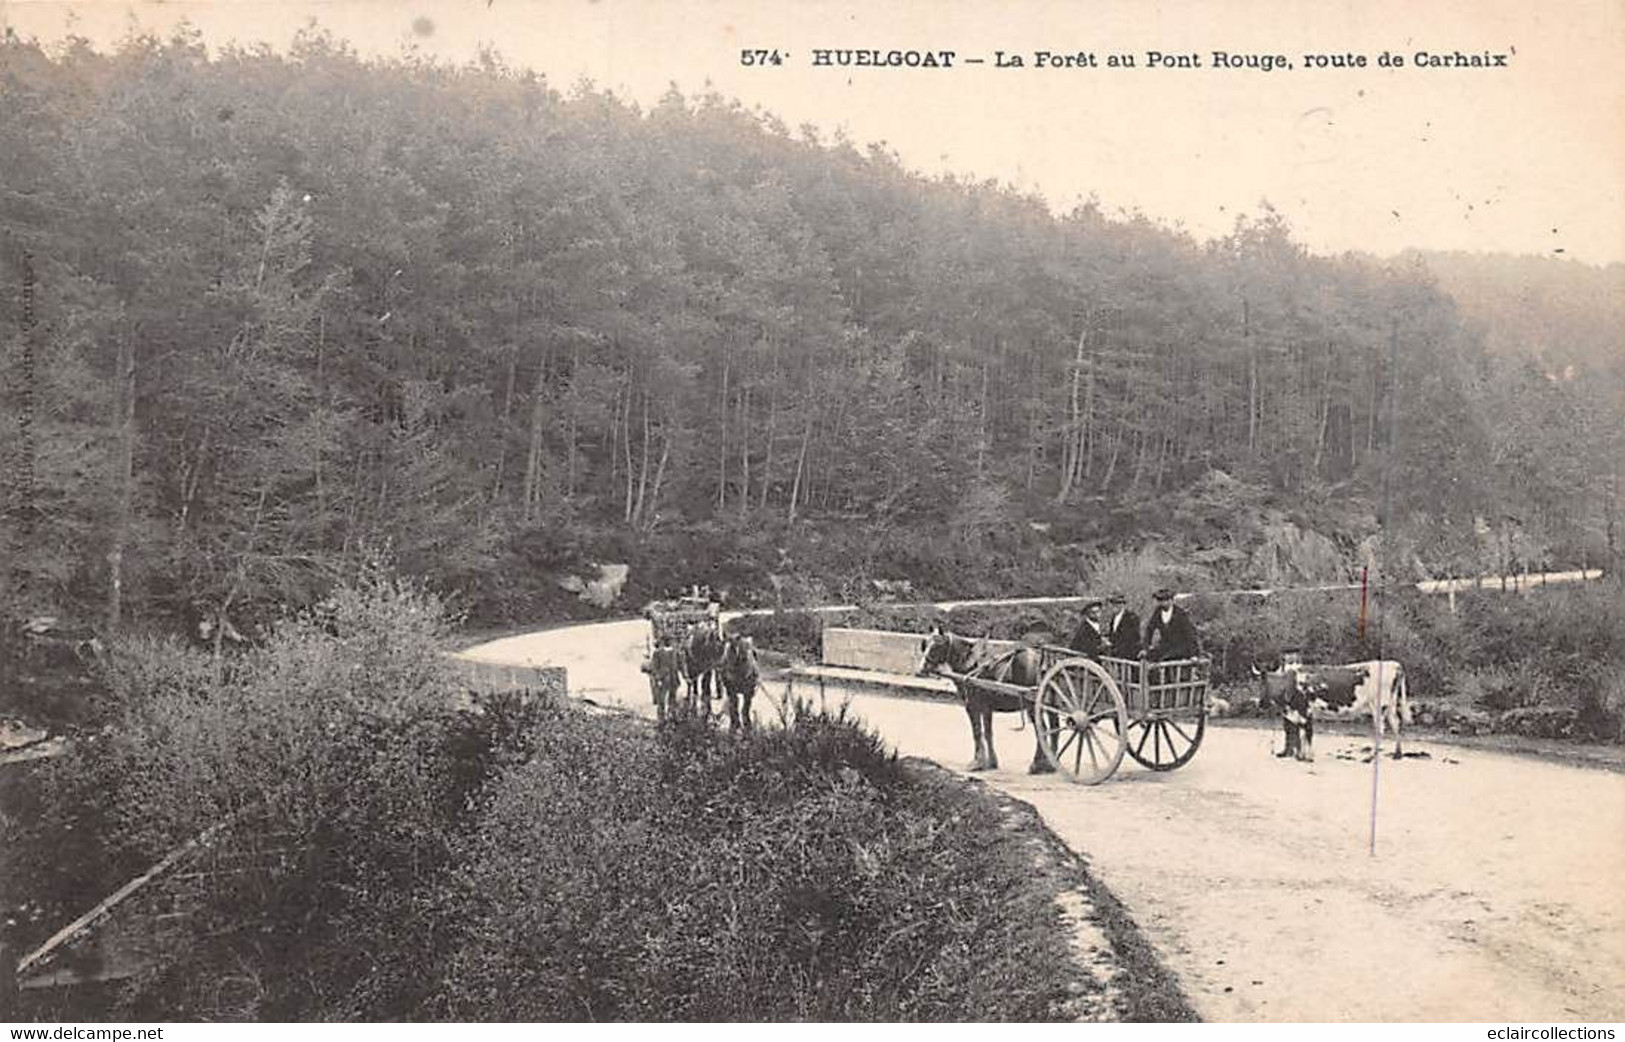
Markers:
point(1089, 639)
point(1169, 635)
point(1122, 628)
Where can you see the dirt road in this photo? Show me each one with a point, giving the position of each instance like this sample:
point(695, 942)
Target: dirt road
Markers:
point(1497, 892)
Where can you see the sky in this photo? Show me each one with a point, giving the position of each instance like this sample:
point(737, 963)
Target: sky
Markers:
point(1524, 158)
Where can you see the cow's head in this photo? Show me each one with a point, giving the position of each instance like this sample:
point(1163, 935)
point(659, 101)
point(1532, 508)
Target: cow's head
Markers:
point(1276, 684)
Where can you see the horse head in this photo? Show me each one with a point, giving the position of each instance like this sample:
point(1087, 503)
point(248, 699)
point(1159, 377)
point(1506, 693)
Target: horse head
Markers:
point(704, 647)
point(738, 650)
point(941, 648)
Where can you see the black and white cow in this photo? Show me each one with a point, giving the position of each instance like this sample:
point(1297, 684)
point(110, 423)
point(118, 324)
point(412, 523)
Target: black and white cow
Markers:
point(1351, 689)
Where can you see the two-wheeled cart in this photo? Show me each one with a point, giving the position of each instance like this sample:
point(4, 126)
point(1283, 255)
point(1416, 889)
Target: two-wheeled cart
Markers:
point(1090, 713)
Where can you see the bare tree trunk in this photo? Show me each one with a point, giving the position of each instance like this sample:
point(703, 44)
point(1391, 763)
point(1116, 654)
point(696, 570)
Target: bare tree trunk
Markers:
point(985, 427)
point(1612, 528)
point(722, 442)
point(27, 401)
point(239, 577)
point(652, 514)
point(801, 465)
point(772, 438)
point(533, 462)
point(1117, 449)
point(1034, 398)
point(1083, 460)
point(191, 476)
point(744, 452)
point(1252, 378)
point(1371, 412)
point(626, 449)
point(507, 414)
point(321, 414)
point(1073, 440)
point(1325, 413)
point(643, 465)
point(615, 437)
point(830, 458)
point(575, 420)
point(126, 479)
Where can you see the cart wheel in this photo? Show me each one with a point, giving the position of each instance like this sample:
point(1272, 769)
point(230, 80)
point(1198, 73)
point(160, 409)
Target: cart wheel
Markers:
point(1164, 743)
point(1082, 720)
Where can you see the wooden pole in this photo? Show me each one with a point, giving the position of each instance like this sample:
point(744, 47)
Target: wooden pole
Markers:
point(1364, 576)
point(1387, 523)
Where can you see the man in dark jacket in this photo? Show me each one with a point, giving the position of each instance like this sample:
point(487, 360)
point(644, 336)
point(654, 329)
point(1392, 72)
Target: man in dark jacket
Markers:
point(1169, 633)
point(1089, 639)
point(1122, 628)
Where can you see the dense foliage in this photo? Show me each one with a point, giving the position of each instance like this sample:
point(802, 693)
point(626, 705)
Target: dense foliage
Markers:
point(798, 875)
point(377, 853)
point(258, 311)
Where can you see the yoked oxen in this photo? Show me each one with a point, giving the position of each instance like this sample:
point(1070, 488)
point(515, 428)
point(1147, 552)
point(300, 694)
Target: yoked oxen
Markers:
point(1352, 689)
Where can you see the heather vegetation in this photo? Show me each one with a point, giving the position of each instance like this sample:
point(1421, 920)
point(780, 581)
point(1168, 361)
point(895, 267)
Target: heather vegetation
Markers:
point(377, 853)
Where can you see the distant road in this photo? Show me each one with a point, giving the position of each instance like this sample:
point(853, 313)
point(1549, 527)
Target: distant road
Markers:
point(1519, 582)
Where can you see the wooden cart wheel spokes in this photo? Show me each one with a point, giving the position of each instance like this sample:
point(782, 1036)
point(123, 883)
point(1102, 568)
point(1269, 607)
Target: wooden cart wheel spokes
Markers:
point(1082, 720)
point(1164, 743)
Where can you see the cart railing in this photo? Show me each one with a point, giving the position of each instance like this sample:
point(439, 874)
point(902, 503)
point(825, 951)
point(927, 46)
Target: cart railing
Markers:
point(671, 619)
point(1176, 687)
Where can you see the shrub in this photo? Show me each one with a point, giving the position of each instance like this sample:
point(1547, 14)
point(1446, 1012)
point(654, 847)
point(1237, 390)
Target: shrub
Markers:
point(337, 744)
point(1601, 710)
point(1538, 721)
point(798, 634)
point(800, 874)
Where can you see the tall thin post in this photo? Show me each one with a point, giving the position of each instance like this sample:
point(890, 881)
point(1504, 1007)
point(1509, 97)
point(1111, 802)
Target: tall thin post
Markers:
point(1387, 526)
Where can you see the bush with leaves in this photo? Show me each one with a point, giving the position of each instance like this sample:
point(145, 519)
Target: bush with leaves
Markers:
point(344, 775)
point(800, 874)
point(798, 634)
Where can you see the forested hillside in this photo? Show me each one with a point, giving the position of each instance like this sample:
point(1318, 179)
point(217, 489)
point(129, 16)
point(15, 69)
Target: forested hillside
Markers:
point(260, 315)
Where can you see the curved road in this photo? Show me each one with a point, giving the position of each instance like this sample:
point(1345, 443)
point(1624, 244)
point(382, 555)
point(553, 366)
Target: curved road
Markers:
point(1497, 892)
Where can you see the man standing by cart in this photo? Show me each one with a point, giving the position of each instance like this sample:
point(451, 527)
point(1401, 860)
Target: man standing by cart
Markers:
point(664, 666)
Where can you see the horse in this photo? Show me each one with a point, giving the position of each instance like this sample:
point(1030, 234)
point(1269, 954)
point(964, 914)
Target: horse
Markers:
point(702, 651)
point(967, 658)
point(739, 675)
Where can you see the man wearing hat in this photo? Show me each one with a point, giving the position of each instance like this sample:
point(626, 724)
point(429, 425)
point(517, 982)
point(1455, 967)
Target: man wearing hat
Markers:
point(1123, 628)
point(1169, 633)
point(1089, 639)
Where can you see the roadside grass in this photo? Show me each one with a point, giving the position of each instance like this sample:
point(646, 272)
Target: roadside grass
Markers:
point(800, 873)
point(1151, 992)
point(1142, 989)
